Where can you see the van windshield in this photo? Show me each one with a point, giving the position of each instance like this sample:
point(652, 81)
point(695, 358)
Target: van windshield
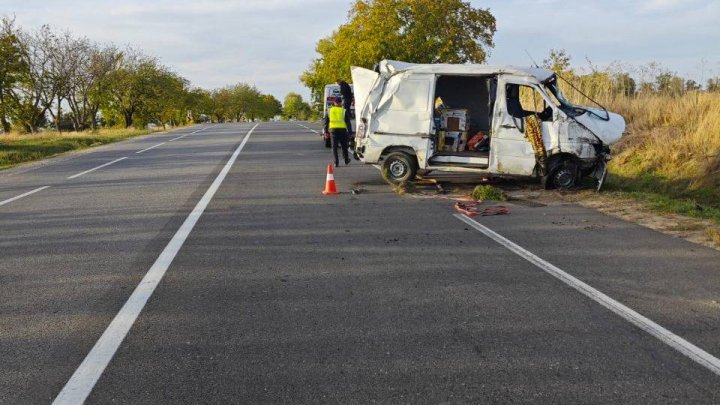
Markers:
point(566, 106)
point(569, 108)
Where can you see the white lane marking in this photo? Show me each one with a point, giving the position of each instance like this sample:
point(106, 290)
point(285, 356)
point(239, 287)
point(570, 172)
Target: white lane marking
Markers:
point(152, 147)
point(191, 133)
point(9, 200)
point(308, 128)
point(695, 353)
point(86, 376)
point(96, 168)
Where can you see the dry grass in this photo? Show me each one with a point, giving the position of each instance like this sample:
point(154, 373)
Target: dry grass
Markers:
point(16, 149)
point(714, 235)
point(672, 146)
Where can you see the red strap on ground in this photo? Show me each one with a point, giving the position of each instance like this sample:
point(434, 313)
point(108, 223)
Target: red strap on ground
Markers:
point(471, 209)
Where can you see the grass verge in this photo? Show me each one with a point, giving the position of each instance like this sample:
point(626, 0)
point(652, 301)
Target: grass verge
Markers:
point(667, 204)
point(16, 149)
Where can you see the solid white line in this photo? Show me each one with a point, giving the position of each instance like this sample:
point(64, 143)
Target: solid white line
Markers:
point(698, 355)
point(86, 376)
point(96, 168)
point(9, 200)
point(152, 147)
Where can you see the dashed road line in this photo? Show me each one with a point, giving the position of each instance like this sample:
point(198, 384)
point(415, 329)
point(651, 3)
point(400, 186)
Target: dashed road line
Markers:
point(9, 200)
point(308, 128)
point(152, 147)
point(96, 168)
point(86, 376)
point(191, 133)
point(695, 353)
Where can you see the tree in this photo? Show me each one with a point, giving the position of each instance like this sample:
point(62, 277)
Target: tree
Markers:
point(669, 84)
point(141, 88)
point(269, 107)
point(713, 84)
point(558, 61)
point(13, 70)
point(37, 89)
point(90, 85)
point(419, 31)
point(691, 85)
point(295, 107)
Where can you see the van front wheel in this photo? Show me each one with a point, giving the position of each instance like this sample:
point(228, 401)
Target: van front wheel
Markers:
point(399, 167)
point(563, 175)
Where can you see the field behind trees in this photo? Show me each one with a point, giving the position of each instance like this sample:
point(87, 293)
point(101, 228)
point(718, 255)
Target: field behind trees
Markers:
point(670, 155)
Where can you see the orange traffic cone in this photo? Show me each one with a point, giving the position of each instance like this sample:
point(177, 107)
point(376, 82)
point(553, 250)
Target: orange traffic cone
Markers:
point(330, 182)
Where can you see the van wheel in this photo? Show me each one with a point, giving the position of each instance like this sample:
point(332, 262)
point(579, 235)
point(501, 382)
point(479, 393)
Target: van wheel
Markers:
point(399, 167)
point(563, 175)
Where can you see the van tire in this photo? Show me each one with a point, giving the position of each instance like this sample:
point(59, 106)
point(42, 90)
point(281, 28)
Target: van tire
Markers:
point(399, 167)
point(562, 175)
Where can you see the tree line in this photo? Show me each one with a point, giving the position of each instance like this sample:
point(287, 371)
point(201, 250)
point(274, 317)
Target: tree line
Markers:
point(622, 80)
point(52, 78)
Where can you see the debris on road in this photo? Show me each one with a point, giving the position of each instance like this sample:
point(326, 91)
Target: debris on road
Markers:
point(473, 208)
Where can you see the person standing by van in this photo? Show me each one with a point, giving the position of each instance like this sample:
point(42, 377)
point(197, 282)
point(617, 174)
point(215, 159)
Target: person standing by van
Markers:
point(336, 124)
point(348, 98)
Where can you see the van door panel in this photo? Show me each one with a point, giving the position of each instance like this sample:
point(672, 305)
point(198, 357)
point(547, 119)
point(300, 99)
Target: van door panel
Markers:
point(511, 153)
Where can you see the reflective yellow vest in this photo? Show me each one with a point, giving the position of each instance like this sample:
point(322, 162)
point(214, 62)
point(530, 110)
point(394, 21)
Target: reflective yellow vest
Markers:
point(337, 118)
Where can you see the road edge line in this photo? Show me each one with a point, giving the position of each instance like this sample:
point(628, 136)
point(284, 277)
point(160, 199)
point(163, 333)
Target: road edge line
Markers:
point(683, 346)
point(83, 380)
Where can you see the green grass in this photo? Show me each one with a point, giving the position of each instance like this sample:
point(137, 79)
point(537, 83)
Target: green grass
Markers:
point(664, 203)
point(17, 149)
point(488, 193)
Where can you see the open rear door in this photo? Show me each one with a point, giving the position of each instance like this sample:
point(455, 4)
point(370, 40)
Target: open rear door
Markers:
point(364, 81)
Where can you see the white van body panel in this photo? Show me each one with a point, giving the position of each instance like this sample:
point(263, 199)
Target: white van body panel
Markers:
point(396, 106)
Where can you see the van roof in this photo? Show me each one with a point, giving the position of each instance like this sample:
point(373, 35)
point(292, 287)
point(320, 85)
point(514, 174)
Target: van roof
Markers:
point(391, 67)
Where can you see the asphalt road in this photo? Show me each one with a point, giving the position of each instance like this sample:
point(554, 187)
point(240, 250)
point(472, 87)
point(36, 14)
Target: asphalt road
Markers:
point(279, 294)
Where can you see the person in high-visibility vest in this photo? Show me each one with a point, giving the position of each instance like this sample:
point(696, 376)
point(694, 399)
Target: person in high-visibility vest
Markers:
point(336, 125)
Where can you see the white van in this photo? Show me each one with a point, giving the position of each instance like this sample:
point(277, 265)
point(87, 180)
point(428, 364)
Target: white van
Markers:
point(408, 110)
point(332, 91)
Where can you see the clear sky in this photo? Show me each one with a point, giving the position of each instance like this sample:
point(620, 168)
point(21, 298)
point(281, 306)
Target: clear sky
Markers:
point(270, 42)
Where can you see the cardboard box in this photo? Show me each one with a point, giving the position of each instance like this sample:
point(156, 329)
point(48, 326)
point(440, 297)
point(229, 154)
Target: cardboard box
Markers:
point(452, 141)
point(454, 120)
point(459, 140)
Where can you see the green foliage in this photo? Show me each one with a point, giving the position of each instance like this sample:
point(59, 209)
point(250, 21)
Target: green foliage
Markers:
point(240, 102)
point(295, 107)
point(420, 31)
point(269, 107)
point(488, 193)
point(43, 72)
point(13, 70)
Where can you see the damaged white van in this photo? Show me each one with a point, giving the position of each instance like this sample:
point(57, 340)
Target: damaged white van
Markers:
point(487, 120)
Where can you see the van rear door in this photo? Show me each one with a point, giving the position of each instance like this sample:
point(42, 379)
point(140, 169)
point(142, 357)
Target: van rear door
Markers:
point(364, 81)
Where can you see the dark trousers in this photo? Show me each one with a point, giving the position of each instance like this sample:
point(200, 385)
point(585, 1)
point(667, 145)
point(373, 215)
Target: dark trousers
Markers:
point(339, 138)
point(348, 124)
